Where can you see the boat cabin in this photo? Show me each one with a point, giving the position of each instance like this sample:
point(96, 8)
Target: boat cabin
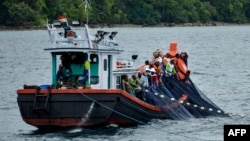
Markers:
point(100, 51)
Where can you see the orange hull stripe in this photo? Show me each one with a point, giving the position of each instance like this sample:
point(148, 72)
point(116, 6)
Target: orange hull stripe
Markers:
point(90, 91)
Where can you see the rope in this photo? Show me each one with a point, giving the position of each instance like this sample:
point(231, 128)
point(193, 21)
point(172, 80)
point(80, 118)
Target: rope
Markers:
point(141, 122)
point(233, 93)
point(230, 93)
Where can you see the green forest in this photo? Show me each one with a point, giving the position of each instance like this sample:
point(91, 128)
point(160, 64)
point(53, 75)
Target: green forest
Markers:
point(139, 12)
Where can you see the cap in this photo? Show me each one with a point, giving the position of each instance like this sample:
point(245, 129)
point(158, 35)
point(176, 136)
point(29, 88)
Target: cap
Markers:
point(152, 70)
point(160, 59)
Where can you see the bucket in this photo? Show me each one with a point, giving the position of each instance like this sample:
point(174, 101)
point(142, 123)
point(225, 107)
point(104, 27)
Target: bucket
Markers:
point(44, 86)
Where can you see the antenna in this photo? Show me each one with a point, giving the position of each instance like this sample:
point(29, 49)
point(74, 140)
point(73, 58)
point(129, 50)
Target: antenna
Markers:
point(86, 3)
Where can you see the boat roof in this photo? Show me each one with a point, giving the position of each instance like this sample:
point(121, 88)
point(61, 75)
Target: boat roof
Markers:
point(78, 39)
point(77, 49)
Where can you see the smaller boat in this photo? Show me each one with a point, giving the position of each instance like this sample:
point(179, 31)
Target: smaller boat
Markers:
point(91, 92)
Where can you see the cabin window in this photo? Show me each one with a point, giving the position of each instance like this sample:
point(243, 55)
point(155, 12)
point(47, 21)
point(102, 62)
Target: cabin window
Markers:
point(118, 82)
point(105, 62)
point(94, 58)
point(94, 69)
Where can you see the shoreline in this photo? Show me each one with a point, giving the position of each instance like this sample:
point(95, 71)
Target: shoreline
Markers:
point(4, 28)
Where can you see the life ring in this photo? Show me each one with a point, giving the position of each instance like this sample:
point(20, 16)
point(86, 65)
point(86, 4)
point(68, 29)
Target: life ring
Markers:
point(119, 64)
point(70, 34)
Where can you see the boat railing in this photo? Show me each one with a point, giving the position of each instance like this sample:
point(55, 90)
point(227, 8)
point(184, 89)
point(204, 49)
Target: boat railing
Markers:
point(69, 42)
point(80, 38)
point(107, 44)
point(125, 71)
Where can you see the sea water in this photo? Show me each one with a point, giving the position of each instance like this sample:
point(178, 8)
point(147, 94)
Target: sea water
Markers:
point(218, 59)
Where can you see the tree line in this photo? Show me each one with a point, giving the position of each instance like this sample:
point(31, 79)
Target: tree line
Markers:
point(141, 12)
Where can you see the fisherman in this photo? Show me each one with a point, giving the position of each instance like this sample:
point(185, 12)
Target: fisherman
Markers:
point(164, 65)
point(132, 82)
point(146, 65)
point(171, 68)
point(65, 61)
point(86, 68)
point(181, 74)
point(59, 76)
point(140, 81)
point(154, 78)
point(184, 56)
point(168, 57)
point(158, 70)
point(157, 55)
point(62, 76)
point(148, 78)
point(125, 84)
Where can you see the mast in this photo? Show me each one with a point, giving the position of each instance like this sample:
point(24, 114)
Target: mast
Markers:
point(86, 4)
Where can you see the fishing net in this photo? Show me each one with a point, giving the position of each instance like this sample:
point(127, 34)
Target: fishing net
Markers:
point(168, 96)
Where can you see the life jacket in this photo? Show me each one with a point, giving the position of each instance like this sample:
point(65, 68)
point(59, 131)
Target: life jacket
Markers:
point(182, 70)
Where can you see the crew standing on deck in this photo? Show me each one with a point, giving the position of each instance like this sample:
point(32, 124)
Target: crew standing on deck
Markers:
point(86, 69)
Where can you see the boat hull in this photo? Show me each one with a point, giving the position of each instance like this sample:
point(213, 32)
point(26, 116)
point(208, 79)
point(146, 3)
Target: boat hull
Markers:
point(84, 108)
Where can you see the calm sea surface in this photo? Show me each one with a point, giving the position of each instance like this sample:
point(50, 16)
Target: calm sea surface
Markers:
point(218, 59)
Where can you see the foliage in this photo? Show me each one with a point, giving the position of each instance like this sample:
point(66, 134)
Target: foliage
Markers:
point(143, 12)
